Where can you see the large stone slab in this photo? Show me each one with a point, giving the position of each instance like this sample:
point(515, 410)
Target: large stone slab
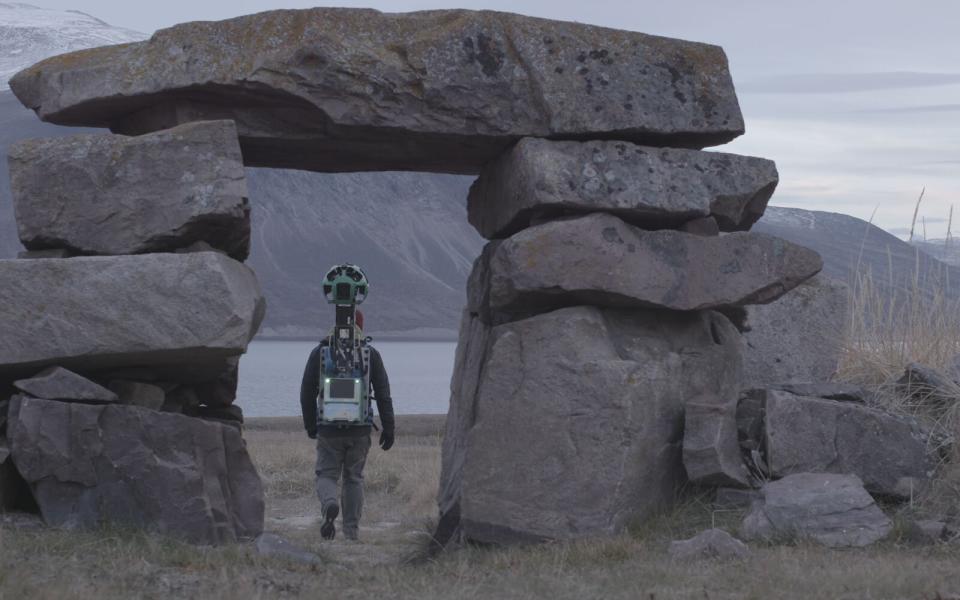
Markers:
point(57, 383)
point(802, 434)
point(90, 465)
point(799, 337)
point(833, 510)
point(569, 424)
point(651, 187)
point(333, 89)
point(182, 315)
point(600, 260)
point(113, 194)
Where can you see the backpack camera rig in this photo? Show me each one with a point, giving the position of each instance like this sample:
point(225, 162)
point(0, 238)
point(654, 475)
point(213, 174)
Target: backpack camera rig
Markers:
point(345, 362)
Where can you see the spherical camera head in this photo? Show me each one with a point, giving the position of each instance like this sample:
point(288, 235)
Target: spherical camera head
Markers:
point(345, 285)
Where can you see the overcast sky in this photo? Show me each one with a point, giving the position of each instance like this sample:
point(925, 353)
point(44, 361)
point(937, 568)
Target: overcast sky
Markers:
point(858, 101)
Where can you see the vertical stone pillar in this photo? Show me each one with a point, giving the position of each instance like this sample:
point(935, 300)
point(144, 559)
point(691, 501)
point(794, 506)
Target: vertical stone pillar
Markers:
point(593, 323)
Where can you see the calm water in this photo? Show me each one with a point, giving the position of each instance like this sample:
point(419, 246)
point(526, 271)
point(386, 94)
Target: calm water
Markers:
point(270, 374)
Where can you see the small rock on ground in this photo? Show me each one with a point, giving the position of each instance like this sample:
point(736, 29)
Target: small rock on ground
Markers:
point(712, 543)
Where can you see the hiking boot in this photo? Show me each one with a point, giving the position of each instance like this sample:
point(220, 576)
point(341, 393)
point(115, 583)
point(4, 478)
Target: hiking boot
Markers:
point(328, 531)
point(350, 534)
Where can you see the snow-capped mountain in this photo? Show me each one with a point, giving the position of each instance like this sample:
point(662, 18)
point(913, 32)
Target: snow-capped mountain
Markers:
point(28, 34)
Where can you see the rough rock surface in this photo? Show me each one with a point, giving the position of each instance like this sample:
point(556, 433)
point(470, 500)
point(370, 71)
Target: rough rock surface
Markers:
point(712, 543)
point(87, 465)
point(833, 510)
point(797, 338)
point(569, 424)
point(359, 90)
point(140, 394)
point(845, 392)
point(113, 194)
point(648, 187)
point(711, 454)
point(600, 260)
point(57, 383)
point(889, 453)
point(183, 313)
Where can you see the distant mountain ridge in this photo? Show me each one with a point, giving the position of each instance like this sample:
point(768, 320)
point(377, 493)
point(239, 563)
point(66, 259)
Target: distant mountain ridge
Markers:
point(28, 34)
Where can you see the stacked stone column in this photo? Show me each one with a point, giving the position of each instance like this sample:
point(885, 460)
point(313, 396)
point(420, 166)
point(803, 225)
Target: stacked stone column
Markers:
point(596, 369)
point(122, 326)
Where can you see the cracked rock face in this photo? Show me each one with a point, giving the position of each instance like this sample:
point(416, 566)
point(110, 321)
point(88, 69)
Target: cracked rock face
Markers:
point(649, 187)
point(57, 383)
point(600, 260)
point(798, 337)
point(333, 89)
point(184, 315)
point(89, 465)
point(888, 453)
point(833, 510)
point(569, 424)
point(112, 194)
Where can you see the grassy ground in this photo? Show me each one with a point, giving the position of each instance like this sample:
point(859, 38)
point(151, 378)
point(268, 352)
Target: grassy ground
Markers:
point(38, 563)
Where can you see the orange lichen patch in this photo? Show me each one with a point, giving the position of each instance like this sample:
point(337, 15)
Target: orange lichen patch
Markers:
point(80, 58)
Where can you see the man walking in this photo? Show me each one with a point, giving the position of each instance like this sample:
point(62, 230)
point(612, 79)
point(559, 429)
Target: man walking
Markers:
point(342, 449)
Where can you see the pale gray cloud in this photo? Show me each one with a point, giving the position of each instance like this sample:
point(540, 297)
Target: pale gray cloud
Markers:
point(842, 83)
point(935, 108)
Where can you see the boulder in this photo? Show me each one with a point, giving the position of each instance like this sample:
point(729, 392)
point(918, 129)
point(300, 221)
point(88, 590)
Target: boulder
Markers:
point(799, 337)
point(750, 418)
point(844, 392)
point(600, 260)
point(93, 464)
point(833, 510)
point(184, 315)
point(887, 452)
point(272, 545)
point(113, 194)
point(712, 543)
point(647, 187)
point(711, 454)
point(222, 391)
point(734, 498)
point(232, 414)
point(928, 386)
point(705, 226)
point(334, 89)
point(923, 532)
point(136, 393)
point(569, 424)
point(57, 383)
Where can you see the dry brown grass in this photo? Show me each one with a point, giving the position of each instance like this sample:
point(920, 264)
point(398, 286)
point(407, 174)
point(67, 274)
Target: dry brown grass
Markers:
point(920, 324)
point(109, 564)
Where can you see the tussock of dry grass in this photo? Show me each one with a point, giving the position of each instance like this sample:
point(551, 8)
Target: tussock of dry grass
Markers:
point(885, 335)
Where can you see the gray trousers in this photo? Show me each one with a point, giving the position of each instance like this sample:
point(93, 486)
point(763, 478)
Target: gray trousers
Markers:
point(346, 456)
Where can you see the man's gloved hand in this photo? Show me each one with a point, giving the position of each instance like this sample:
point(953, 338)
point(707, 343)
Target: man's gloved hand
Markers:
point(386, 438)
point(312, 434)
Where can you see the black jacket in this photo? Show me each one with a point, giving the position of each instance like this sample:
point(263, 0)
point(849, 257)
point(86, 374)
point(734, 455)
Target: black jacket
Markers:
point(310, 388)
